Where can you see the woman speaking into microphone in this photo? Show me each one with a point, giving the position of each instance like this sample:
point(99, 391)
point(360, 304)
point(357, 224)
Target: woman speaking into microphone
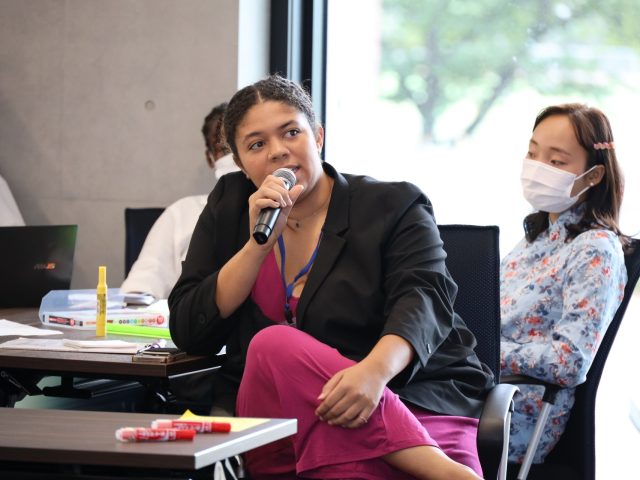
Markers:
point(340, 315)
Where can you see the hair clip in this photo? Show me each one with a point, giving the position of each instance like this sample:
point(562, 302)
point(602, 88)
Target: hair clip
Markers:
point(604, 146)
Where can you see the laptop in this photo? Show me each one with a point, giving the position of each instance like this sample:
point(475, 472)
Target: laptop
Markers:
point(33, 261)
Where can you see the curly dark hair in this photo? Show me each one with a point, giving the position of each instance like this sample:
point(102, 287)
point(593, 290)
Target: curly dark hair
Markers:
point(213, 122)
point(603, 200)
point(272, 88)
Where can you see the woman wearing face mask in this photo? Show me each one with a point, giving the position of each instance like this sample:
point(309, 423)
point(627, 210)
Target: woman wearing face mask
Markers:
point(160, 261)
point(561, 285)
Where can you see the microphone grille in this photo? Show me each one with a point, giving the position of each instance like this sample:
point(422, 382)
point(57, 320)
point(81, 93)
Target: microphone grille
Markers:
point(287, 175)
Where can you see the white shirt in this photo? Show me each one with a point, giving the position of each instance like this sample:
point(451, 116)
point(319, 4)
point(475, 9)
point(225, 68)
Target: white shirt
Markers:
point(160, 261)
point(9, 213)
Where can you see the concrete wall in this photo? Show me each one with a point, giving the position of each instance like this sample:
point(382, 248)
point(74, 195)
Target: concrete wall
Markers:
point(101, 105)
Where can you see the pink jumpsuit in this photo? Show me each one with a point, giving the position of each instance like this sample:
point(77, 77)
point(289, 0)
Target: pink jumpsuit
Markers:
point(284, 374)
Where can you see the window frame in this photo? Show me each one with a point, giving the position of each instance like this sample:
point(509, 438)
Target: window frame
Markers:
point(299, 46)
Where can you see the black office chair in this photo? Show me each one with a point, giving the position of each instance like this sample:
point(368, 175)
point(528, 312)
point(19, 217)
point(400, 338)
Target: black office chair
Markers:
point(574, 457)
point(473, 260)
point(137, 223)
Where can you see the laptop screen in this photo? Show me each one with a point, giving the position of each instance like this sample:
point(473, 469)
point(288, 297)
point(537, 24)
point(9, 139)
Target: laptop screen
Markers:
point(33, 261)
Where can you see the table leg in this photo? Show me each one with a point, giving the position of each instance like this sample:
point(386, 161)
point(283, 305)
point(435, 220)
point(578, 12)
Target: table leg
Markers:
point(14, 387)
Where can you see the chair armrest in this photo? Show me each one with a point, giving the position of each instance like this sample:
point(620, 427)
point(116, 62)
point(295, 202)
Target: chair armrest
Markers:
point(550, 389)
point(493, 429)
point(548, 398)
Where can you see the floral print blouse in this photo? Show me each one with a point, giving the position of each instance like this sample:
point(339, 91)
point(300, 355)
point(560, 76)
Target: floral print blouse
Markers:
point(557, 300)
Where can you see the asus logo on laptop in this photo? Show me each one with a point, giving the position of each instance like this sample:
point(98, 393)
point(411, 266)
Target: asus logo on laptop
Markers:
point(35, 260)
point(45, 266)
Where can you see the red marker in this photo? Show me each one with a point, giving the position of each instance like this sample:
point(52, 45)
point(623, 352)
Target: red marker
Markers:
point(135, 434)
point(197, 425)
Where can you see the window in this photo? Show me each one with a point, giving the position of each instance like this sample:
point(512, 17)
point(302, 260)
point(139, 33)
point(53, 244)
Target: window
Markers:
point(443, 93)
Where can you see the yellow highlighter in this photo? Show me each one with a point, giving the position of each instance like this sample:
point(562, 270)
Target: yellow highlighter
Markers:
point(101, 292)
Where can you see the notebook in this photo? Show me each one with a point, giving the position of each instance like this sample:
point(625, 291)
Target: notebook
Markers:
point(33, 261)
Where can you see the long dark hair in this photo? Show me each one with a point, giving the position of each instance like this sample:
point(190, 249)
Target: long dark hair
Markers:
point(602, 204)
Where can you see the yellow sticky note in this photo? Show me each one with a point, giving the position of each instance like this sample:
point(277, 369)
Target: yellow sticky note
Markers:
point(237, 423)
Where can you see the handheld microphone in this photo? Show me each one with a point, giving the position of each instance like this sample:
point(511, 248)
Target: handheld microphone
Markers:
point(268, 216)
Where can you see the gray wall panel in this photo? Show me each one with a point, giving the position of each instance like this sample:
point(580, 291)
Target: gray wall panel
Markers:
point(101, 105)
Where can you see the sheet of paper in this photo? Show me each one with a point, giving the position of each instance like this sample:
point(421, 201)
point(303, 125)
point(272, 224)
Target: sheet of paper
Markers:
point(59, 346)
point(93, 344)
point(237, 423)
point(8, 328)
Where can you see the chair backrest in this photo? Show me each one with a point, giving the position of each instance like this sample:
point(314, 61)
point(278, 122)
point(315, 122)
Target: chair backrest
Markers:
point(473, 260)
point(137, 223)
point(576, 447)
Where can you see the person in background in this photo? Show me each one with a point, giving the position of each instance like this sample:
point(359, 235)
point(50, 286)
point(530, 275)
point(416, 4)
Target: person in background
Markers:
point(9, 212)
point(343, 319)
point(561, 285)
point(160, 261)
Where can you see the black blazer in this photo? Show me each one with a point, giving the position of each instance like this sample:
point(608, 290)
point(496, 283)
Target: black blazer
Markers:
point(379, 270)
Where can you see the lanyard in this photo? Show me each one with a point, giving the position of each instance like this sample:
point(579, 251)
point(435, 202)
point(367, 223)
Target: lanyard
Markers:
point(288, 288)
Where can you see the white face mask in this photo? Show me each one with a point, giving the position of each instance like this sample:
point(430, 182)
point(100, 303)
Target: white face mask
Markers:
point(547, 188)
point(224, 165)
